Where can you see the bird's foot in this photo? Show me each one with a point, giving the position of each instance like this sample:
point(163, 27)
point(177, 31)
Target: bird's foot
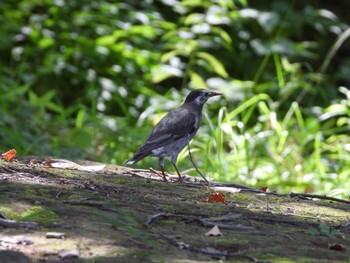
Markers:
point(162, 175)
point(181, 180)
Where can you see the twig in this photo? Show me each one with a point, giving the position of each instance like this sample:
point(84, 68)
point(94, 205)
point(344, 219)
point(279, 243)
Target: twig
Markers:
point(254, 190)
point(85, 202)
point(167, 215)
point(204, 222)
point(292, 195)
point(16, 224)
point(207, 251)
point(190, 154)
point(58, 194)
point(137, 170)
point(137, 174)
point(8, 170)
point(159, 174)
point(288, 236)
point(283, 221)
point(345, 225)
point(324, 197)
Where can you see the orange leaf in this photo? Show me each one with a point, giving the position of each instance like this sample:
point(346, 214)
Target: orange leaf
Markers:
point(308, 189)
point(265, 189)
point(215, 197)
point(9, 156)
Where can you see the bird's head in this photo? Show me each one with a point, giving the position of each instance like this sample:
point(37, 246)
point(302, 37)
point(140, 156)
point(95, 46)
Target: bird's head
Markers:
point(200, 96)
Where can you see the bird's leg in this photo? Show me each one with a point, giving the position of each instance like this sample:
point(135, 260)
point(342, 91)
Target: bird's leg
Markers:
point(189, 152)
point(178, 173)
point(161, 165)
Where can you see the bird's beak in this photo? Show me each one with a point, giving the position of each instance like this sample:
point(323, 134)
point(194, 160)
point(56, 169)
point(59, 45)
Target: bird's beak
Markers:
point(214, 93)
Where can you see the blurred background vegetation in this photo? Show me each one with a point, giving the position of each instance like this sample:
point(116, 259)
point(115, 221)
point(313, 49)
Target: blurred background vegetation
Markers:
point(89, 79)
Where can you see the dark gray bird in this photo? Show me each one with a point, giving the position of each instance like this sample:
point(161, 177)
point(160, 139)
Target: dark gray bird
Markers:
point(175, 130)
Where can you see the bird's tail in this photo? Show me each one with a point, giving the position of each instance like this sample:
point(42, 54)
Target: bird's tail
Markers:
point(137, 157)
point(130, 161)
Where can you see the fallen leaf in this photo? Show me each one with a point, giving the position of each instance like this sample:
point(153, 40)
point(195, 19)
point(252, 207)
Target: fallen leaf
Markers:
point(214, 232)
point(308, 189)
point(216, 197)
point(9, 155)
point(265, 189)
point(337, 247)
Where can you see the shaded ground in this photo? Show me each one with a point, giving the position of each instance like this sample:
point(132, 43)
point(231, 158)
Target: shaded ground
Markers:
point(117, 216)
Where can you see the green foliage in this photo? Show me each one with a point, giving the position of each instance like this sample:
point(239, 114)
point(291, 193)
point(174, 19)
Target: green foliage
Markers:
point(84, 79)
point(323, 230)
point(38, 214)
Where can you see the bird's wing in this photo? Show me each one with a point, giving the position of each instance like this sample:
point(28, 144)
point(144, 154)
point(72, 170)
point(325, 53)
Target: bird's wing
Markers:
point(175, 125)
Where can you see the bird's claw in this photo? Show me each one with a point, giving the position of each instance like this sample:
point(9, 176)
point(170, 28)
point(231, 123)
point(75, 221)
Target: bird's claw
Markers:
point(181, 180)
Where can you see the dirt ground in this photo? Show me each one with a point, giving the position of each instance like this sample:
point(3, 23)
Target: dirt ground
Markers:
point(125, 215)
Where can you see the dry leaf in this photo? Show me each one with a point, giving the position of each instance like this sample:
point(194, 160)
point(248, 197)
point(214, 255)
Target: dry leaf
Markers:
point(214, 232)
point(215, 197)
point(337, 247)
point(309, 189)
point(9, 155)
point(265, 189)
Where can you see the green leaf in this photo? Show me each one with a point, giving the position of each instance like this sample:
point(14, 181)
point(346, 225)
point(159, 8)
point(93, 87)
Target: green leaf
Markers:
point(313, 231)
point(223, 34)
point(14, 92)
point(197, 80)
point(324, 229)
point(163, 73)
point(215, 64)
point(334, 233)
point(48, 96)
point(33, 98)
point(80, 119)
point(46, 42)
point(194, 18)
point(146, 31)
point(106, 40)
point(337, 108)
point(54, 107)
point(111, 39)
point(194, 3)
point(165, 57)
point(226, 3)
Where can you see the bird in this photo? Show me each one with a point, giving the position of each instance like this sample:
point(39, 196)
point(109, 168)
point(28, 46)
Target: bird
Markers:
point(174, 131)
